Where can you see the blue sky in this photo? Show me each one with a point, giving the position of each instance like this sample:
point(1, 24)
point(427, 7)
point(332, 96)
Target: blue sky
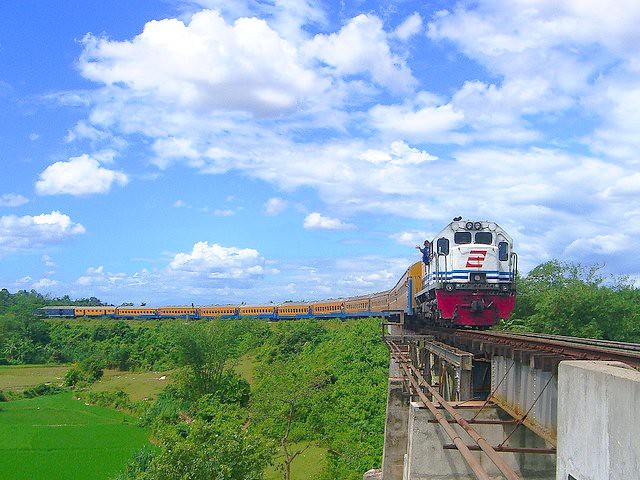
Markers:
point(220, 152)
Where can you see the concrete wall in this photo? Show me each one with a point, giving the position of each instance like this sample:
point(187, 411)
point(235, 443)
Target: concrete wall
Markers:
point(598, 421)
point(395, 428)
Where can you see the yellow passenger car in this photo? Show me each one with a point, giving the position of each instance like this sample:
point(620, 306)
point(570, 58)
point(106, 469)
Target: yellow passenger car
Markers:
point(355, 305)
point(293, 310)
point(177, 312)
point(217, 311)
point(332, 308)
point(136, 312)
point(380, 301)
point(100, 311)
point(259, 311)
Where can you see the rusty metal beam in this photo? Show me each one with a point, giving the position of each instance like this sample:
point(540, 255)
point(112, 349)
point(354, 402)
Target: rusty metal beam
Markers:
point(498, 448)
point(473, 463)
point(418, 382)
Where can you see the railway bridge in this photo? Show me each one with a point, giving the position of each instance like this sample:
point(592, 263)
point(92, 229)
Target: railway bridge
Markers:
point(466, 404)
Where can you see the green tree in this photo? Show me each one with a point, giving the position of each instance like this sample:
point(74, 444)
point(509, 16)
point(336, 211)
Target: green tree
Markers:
point(221, 448)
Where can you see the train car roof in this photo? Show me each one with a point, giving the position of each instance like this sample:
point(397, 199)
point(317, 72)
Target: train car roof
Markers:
point(457, 225)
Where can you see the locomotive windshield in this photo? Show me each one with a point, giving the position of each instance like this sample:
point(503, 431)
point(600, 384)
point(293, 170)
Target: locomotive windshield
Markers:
point(460, 238)
point(485, 238)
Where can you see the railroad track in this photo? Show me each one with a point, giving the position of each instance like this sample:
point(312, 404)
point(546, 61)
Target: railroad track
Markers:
point(566, 347)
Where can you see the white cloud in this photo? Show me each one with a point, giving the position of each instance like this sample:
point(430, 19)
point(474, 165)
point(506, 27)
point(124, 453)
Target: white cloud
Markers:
point(411, 26)
point(275, 206)
point(224, 212)
point(48, 261)
point(399, 153)
point(44, 284)
point(422, 119)
point(81, 175)
point(33, 232)
point(217, 262)
point(12, 200)
point(411, 238)
point(315, 221)
point(361, 46)
point(544, 76)
point(205, 64)
point(602, 244)
point(180, 204)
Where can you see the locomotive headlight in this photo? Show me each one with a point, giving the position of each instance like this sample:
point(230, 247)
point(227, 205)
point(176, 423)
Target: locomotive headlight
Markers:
point(504, 287)
point(449, 287)
point(477, 226)
point(469, 225)
point(477, 277)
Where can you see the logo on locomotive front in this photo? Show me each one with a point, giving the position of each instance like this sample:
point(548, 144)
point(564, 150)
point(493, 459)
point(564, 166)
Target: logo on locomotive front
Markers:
point(476, 258)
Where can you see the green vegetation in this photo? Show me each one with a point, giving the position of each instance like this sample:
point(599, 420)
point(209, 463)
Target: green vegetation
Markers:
point(569, 299)
point(17, 378)
point(245, 399)
point(57, 436)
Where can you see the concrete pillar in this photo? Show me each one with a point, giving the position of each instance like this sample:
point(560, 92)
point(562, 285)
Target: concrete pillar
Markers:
point(465, 384)
point(395, 428)
point(598, 421)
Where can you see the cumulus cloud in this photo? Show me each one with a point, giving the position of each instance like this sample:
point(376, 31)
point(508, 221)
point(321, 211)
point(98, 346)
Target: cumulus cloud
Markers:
point(316, 221)
point(205, 64)
point(399, 153)
point(361, 46)
point(216, 261)
point(423, 118)
point(33, 232)
point(12, 200)
point(544, 77)
point(48, 261)
point(44, 284)
point(411, 238)
point(81, 175)
point(275, 206)
point(411, 26)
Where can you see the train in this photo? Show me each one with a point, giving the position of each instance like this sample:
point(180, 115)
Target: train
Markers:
point(467, 278)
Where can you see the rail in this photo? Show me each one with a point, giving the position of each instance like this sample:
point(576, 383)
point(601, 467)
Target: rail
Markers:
point(560, 346)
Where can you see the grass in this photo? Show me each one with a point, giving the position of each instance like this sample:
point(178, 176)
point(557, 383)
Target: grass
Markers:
point(56, 436)
point(15, 378)
point(304, 467)
point(246, 367)
point(139, 385)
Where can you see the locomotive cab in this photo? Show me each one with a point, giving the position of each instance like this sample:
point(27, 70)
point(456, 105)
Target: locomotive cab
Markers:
point(470, 278)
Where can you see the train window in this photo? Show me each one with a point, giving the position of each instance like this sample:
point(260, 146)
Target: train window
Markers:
point(485, 238)
point(462, 237)
point(503, 251)
point(443, 246)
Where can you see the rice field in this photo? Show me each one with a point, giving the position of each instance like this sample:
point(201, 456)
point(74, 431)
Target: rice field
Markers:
point(57, 436)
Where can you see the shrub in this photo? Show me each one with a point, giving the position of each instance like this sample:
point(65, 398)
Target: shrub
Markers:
point(42, 389)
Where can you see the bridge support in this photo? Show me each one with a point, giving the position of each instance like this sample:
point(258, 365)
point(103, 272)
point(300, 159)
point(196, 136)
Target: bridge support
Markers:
point(598, 421)
point(396, 431)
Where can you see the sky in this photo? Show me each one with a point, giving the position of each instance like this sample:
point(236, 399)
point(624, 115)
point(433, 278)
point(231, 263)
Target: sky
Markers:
point(178, 152)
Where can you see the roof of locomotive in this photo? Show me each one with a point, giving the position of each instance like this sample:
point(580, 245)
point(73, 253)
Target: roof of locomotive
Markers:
point(463, 225)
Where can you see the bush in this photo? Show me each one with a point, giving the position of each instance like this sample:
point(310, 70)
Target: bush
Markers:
point(3, 397)
point(72, 377)
point(42, 389)
point(118, 399)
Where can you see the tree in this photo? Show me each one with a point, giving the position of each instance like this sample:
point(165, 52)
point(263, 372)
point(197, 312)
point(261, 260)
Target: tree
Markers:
point(222, 447)
point(283, 403)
